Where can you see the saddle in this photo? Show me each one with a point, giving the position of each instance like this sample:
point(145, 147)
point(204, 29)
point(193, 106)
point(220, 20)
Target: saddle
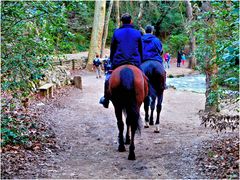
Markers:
point(146, 80)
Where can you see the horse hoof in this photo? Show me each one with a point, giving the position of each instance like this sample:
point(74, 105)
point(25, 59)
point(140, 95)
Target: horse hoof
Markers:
point(131, 157)
point(146, 126)
point(156, 131)
point(151, 123)
point(121, 148)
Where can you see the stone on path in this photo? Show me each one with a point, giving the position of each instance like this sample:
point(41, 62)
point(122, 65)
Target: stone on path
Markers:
point(77, 80)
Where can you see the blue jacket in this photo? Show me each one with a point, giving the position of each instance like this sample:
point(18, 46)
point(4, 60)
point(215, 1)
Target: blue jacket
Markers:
point(126, 46)
point(152, 48)
point(97, 62)
point(107, 65)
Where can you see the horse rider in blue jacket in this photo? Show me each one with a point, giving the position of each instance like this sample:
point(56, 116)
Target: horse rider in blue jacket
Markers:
point(152, 46)
point(126, 48)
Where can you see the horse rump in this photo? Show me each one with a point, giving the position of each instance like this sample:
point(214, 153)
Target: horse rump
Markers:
point(125, 97)
point(128, 89)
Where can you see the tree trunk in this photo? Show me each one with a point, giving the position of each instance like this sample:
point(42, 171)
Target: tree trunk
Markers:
point(192, 61)
point(211, 69)
point(97, 31)
point(117, 13)
point(211, 104)
point(140, 15)
point(192, 44)
point(105, 32)
point(160, 20)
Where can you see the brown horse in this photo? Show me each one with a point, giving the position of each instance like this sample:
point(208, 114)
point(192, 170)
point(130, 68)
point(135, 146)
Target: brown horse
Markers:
point(128, 88)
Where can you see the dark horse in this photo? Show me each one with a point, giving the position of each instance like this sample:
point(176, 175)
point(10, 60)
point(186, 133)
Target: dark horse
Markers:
point(157, 78)
point(128, 88)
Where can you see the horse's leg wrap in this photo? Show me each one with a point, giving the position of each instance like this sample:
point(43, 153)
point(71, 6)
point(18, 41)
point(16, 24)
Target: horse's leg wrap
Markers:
point(159, 109)
point(157, 130)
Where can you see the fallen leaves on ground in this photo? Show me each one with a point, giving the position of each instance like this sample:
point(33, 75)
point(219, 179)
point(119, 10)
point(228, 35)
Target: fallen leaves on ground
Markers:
point(219, 158)
point(27, 158)
point(20, 160)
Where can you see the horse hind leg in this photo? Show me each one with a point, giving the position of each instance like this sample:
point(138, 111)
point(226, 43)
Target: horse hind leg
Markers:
point(152, 110)
point(159, 109)
point(118, 113)
point(146, 108)
point(127, 140)
point(132, 120)
point(131, 155)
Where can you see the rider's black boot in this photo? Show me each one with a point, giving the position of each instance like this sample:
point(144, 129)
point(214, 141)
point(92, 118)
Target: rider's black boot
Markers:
point(104, 100)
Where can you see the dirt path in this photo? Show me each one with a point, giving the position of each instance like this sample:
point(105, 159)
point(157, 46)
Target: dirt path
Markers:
point(89, 132)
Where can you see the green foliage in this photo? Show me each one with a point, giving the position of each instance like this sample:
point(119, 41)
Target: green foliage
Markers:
point(28, 37)
point(174, 20)
point(34, 31)
point(217, 38)
point(111, 28)
point(81, 42)
point(165, 16)
point(12, 131)
point(80, 17)
point(229, 62)
point(176, 43)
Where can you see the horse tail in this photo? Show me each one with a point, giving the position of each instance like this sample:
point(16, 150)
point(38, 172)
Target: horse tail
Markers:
point(129, 102)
